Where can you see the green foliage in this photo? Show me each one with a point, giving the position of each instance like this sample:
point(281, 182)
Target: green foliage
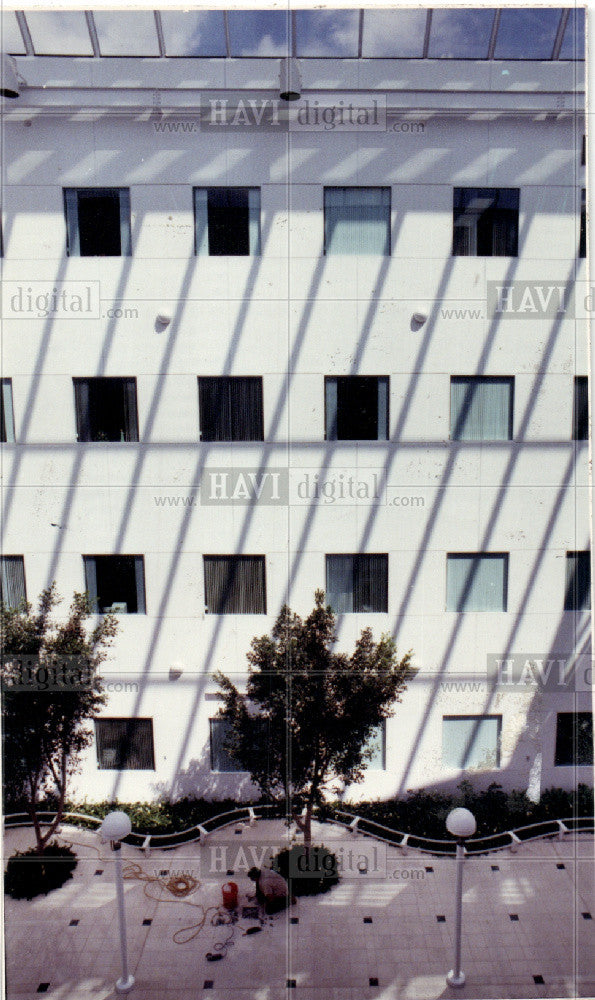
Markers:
point(30, 874)
point(423, 813)
point(46, 725)
point(308, 713)
point(308, 872)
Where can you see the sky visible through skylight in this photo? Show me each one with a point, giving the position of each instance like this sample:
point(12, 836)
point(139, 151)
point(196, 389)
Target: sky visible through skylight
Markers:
point(442, 33)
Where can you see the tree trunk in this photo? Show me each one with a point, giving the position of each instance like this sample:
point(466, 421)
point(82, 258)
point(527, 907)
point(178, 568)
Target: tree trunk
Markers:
point(61, 785)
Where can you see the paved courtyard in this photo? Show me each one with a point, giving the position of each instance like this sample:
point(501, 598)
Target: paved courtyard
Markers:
point(383, 932)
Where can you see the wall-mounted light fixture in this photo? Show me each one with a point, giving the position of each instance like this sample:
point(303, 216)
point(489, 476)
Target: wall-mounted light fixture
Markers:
point(290, 79)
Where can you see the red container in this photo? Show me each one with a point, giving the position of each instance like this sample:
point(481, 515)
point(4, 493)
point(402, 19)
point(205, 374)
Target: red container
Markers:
point(230, 895)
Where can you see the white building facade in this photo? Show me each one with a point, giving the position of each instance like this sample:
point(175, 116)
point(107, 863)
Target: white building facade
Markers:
point(352, 358)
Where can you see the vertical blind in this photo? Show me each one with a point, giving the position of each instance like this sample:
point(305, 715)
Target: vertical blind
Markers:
point(125, 744)
point(476, 582)
point(227, 222)
point(12, 580)
point(235, 585)
point(357, 583)
point(357, 220)
point(231, 408)
point(6, 412)
point(471, 741)
point(481, 408)
point(578, 581)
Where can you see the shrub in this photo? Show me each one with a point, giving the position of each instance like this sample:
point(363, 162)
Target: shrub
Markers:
point(307, 873)
point(30, 874)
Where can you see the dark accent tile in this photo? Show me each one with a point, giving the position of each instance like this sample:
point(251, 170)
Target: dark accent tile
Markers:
point(99, 871)
point(514, 917)
point(429, 868)
point(147, 922)
point(586, 916)
point(291, 984)
point(441, 918)
point(238, 831)
point(73, 923)
point(373, 980)
point(230, 871)
point(561, 867)
point(538, 980)
point(43, 987)
point(495, 868)
point(164, 871)
point(367, 920)
point(208, 984)
point(294, 920)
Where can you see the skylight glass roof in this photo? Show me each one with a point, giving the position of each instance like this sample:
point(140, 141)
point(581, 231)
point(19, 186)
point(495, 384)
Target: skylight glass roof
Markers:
point(543, 33)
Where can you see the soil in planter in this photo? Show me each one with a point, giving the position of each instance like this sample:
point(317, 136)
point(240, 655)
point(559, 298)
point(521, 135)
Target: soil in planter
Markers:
point(307, 875)
point(29, 874)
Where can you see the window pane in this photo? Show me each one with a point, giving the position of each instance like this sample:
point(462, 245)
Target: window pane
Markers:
point(106, 409)
point(578, 581)
point(231, 408)
point(573, 44)
point(258, 32)
point(12, 581)
point(227, 221)
point(221, 758)
point(471, 742)
point(394, 34)
point(125, 744)
point(115, 583)
point(193, 33)
point(357, 583)
point(6, 412)
point(460, 34)
point(476, 582)
point(481, 408)
point(357, 221)
point(582, 243)
point(97, 222)
point(486, 222)
point(378, 744)
point(321, 33)
point(574, 739)
point(356, 408)
point(126, 33)
point(580, 410)
point(235, 585)
point(527, 34)
point(59, 33)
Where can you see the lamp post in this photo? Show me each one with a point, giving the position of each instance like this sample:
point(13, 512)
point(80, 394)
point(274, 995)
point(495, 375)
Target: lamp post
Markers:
point(114, 828)
point(461, 824)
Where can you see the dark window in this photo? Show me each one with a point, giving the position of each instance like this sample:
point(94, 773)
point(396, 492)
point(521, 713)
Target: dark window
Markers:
point(578, 581)
point(230, 408)
point(227, 221)
point(116, 583)
point(584, 152)
point(357, 583)
point(476, 581)
point(235, 585)
point(580, 409)
point(481, 408)
point(106, 409)
point(125, 744)
point(222, 758)
point(97, 222)
point(6, 412)
point(357, 221)
point(12, 581)
point(356, 408)
point(574, 739)
point(486, 222)
point(582, 243)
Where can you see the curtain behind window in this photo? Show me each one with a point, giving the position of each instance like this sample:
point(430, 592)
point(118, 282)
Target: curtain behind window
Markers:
point(235, 585)
point(476, 582)
point(580, 411)
point(12, 579)
point(481, 409)
point(357, 221)
point(125, 744)
point(231, 408)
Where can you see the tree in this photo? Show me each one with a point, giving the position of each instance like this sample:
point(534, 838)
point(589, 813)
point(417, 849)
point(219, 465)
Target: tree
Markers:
point(50, 691)
point(308, 712)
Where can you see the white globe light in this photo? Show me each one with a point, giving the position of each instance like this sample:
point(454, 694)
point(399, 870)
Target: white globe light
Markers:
point(461, 823)
point(115, 826)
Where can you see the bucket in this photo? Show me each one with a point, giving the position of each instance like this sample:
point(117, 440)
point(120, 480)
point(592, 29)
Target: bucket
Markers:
point(230, 895)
